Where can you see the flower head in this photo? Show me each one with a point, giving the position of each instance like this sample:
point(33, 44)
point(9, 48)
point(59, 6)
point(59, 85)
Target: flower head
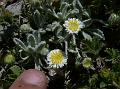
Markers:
point(73, 25)
point(56, 58)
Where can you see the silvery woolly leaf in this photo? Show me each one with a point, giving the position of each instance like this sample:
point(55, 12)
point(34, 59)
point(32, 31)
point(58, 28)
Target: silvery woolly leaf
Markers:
point(79, 4)
point(31, 40)
point(64, 10)
point(40, 46)
point(1, 32)
point(48, 29)
point(41, 31)
point(87, 36)
point(74, 3)
point(59, 31)
point(85, 13)
point(72, 12)
point(37, 36)
point(23, 54)
point(63, 4)
point(19, 43)
point(37, 18)
point(30, 50)
point(72, 51)
point(54, 14)
point(99, 34)
point(1, 28)
point(59, 14)
point(61, 39)
point(55, 25)
point(87, 22)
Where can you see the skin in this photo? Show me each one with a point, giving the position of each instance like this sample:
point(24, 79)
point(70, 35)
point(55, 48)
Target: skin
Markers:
point(30, 79)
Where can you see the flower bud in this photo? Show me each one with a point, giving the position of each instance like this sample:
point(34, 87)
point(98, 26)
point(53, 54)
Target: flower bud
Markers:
point(114, 20)
point(87, 63)
point(25, 28)
point(9, 58)
point(105, 73)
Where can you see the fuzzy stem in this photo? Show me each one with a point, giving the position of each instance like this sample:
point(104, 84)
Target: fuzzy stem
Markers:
point(74, 42)
point(66, 48)
point(37, 63)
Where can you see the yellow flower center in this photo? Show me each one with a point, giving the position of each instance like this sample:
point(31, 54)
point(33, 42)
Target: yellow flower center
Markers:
point(56, 58)
point(73, 25)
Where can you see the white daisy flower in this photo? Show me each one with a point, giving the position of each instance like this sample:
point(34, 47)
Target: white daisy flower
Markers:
point(73, 25)
point(56, 59)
